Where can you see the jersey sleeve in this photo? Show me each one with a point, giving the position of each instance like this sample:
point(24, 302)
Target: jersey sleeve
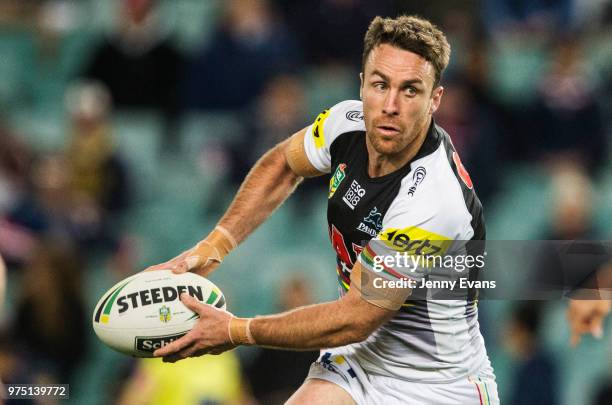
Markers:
point(343, 117)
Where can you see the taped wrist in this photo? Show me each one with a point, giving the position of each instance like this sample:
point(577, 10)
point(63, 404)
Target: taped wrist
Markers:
point(240, 331)
point(214, 247)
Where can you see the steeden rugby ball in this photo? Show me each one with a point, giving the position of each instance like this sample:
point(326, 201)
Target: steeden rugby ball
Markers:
point(142, 313)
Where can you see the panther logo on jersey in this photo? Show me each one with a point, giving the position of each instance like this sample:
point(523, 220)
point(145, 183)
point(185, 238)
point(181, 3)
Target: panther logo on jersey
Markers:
point(336, 179)
point(372, 223)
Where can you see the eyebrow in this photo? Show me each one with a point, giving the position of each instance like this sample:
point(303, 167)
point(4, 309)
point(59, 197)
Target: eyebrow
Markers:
point(404, 83)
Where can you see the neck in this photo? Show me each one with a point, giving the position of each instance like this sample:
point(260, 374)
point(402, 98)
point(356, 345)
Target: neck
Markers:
point(380, 164)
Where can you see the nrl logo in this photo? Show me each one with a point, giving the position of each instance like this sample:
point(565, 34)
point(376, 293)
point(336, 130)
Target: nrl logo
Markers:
point(336, 179)
point(164, 314)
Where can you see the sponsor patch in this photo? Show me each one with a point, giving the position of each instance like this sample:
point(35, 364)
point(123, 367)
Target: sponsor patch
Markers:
point(354, 116)
point(337, 178)
point(463, 173)
point(417, 177)
point(353, 195)
point(151, 343)
point(415, 241)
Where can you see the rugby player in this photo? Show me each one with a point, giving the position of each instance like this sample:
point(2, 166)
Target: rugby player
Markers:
point(396, 177)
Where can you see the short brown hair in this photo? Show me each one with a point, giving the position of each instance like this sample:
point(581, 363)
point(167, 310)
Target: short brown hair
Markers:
point(410, 33)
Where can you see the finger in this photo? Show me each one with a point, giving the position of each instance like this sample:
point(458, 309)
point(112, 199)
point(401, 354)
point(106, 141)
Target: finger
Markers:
point(175, 346)
point(180, 268)
point(192, 303)
point(183, 354)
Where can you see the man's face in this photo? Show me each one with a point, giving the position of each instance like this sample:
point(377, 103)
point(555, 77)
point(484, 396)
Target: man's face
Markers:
point(398, 99)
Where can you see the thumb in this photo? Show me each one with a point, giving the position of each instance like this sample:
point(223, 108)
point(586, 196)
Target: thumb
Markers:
point(190, 262)
point(192, 303)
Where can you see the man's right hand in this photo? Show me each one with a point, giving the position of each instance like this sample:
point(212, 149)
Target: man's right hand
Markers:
point(187, 261)
point(203, 258)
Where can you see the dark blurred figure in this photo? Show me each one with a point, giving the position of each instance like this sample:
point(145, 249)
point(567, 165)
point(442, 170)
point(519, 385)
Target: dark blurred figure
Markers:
point(562, 266)
point(138, 62)
point(51, 319)
point(79, 193)
point(603, 395)
point(279, 112)
point(537, 14)
point(267, 384)
point(536, 376)
point(568, 123)
point(17, 229)
point(249, 46)
point(97, 174)
point(328, 30)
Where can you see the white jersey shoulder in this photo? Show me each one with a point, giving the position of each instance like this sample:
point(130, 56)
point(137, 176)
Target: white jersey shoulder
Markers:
point(429, 214)
point(346, 116)
point(431, 198)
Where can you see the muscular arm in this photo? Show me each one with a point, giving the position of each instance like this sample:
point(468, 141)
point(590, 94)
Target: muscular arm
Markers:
point(348, 320)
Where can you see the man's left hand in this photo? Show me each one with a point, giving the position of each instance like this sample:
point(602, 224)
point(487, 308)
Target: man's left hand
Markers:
point(210, 335)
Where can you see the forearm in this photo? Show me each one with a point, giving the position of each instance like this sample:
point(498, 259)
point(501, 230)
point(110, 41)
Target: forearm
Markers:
point(317, 326)
point(265, 188)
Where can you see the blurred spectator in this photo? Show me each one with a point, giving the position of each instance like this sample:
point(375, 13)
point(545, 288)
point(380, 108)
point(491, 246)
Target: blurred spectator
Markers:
point(213, 380)
point(572, 217)
point(268, 385)
point(97, 175)
point(138, 62)
point(561, 267)
point(79, 194)
point(568, 124)
point(50, 315)
point(519, 14)
point(330, 31)
point(535, 377)
point(16, 239)
point(278, 113)
point(603, 393)
point(249, 46)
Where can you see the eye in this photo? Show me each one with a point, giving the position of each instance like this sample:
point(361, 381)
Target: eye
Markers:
point(411, 91)
point(379, 85)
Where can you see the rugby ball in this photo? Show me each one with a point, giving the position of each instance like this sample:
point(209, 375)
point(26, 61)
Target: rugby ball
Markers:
point(142, 313)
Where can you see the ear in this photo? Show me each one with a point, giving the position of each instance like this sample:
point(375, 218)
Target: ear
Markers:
point(436, 98)
point(361, 86)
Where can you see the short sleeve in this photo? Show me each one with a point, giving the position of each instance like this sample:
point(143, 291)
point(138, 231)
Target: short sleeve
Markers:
point(345, 116)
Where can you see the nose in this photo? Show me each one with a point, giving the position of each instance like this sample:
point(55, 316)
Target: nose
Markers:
point(391, 106)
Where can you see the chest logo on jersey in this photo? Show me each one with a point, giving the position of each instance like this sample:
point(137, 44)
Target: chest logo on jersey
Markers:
point(417, 178)
point(353, 195)
point(336, 179)
point(372, 223)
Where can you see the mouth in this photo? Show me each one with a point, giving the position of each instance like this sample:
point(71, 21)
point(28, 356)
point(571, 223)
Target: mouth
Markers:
point(388, 130)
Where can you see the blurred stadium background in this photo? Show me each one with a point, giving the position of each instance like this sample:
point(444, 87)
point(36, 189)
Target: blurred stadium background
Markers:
point(126, 127)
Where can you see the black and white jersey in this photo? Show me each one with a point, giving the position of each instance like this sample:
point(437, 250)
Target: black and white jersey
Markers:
point(431, 198)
